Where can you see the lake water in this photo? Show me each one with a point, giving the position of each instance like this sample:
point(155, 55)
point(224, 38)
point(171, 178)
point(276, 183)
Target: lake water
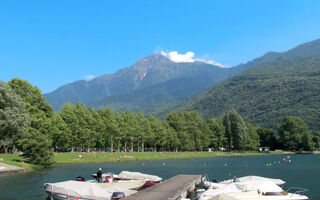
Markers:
point(301, 171)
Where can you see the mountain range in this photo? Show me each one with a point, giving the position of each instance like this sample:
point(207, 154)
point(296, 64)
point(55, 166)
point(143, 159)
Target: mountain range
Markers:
point(287, 84)
point(263, 90)
point(153, 84)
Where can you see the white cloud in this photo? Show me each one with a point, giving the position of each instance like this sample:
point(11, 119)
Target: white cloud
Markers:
point(89, 77)
point(176, 57)
point(212, 62)
point(188, 57)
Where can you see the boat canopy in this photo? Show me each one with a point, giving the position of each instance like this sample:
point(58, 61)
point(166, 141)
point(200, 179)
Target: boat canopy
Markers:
point(231, 188)
point(85, 190)
point(255, 178)
point(262, 186)
point(138, 175)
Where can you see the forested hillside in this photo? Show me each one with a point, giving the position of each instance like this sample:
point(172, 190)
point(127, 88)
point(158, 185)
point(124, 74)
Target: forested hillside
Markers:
point(263, 95)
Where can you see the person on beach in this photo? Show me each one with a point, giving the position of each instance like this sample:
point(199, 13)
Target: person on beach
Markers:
point(99, 175)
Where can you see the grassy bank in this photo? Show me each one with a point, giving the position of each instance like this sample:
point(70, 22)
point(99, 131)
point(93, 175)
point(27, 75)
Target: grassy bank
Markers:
point(16, 160)
point(68, 158)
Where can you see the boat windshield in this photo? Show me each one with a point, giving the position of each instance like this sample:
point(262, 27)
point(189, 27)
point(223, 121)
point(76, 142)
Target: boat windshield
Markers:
point(274, 193)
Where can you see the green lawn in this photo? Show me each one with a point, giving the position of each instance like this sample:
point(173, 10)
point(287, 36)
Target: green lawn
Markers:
point(66, 158)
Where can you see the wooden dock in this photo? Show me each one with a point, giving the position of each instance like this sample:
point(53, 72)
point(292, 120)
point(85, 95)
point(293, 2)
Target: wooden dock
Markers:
point(174, 188)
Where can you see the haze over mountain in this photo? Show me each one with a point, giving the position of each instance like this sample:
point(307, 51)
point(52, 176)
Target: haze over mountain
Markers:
point(283, 84)
point(152, 84)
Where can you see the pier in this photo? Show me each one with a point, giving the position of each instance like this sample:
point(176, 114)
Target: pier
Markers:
point(174, 188)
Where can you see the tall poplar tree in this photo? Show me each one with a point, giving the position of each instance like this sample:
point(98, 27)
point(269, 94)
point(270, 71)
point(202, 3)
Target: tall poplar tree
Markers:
point(41, 114)
point(14, 117)
point(235, 128)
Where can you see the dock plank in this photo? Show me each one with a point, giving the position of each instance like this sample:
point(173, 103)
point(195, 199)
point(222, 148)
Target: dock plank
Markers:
point(170, 189)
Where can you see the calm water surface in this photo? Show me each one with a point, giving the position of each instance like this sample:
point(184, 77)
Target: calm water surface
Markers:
point(302, 171)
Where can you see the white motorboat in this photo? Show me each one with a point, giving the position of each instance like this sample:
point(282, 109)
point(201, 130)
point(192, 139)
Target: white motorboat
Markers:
point(214, 185)
point(250, 190)
point(78, 190)
point(254, 178)
point(126, 176)
point(126, 182)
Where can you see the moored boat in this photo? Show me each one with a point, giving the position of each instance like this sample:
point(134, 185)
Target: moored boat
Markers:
point(125, 183)
point(127, 176)
point(254, 178)
point(78, 190)
point(251, 190)
point(215, 184)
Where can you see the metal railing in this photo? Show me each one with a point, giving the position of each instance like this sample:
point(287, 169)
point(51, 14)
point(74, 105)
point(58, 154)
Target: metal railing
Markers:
point(297, 190)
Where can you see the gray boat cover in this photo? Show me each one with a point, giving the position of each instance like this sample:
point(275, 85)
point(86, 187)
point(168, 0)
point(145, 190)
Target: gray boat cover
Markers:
point(85, 190)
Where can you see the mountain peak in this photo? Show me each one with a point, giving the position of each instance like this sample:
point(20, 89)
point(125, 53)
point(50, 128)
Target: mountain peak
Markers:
point(153, 58)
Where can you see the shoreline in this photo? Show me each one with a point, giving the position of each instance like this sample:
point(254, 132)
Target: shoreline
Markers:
point(5, 168)
point(14, 163)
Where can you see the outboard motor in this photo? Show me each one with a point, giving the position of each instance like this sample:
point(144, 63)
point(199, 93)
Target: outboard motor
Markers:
point(117, 195)
point(79, 178)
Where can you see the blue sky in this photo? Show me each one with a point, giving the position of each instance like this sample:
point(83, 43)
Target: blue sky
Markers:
point(51, 43)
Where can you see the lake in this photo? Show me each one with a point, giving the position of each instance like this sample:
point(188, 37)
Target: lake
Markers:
point(301, 171)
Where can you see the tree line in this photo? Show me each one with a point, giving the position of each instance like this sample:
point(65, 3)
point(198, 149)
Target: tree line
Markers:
point(29, 124)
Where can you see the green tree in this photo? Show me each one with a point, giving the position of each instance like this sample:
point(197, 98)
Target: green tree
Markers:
point(156, 134)
point(14, 117)
point(316, 140)
point(238, 130)
point(268, 138)
point(37, 147)
point(39, 110)
point(235, 128)
point(127, 127)
point(227, 126)
point(197, 129)
point(253, 140)
point(69, 116)
point(96, 126)
point(86, 129)
point(173, 141)
point(109, 119)
point(216, 134)
point(41, 114)
point(190, 130)
point(306, 142)
point(143, 130)
point(294, 134)
point(60, 133)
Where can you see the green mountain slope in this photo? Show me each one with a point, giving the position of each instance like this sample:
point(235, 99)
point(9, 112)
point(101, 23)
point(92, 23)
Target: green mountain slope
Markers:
point(289, 84)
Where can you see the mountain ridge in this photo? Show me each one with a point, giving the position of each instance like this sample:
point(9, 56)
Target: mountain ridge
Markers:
point(264, 94)
point(151, 70)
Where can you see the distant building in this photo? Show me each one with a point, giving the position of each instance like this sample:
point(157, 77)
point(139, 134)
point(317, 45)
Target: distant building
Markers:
point(264, 148)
